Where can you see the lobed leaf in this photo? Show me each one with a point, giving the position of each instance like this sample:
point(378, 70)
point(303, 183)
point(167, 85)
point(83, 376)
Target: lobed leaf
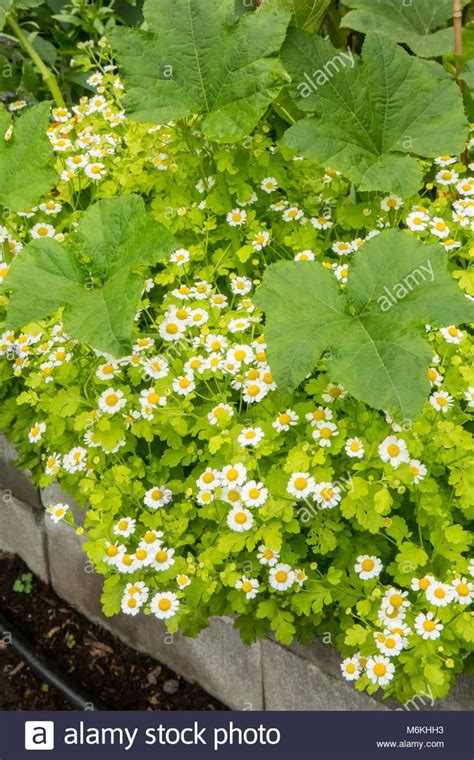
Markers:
point(193, 61)
point(93, 277)
point(372, 111)
point(372, 335)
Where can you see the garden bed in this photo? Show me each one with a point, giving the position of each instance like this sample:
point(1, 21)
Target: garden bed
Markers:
point(112, 673)
point(242, 677)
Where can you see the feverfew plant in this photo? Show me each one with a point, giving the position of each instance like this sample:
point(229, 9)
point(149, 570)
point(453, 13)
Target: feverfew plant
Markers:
point(233, 453)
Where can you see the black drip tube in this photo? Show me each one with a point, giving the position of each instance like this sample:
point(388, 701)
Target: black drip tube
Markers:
point(22, 647)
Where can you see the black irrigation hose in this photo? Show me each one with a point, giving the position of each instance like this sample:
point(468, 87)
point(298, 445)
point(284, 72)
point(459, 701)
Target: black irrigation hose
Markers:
point(22, 647)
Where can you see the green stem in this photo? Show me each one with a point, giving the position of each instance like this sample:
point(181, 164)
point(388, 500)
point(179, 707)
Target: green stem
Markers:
point(48, 77)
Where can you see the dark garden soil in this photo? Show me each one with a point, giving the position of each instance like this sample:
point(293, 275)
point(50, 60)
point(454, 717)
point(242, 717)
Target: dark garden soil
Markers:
point(94, 660)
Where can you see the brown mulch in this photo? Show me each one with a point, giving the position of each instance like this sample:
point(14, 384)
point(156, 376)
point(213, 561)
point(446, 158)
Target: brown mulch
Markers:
point(94, 660)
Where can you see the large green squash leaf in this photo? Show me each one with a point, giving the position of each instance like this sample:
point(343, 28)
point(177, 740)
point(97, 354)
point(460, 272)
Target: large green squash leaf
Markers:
point(196, 58)
point(371, 111)
point(372, 334)
point(25, 159)
point(93, 277)
point(413, 23)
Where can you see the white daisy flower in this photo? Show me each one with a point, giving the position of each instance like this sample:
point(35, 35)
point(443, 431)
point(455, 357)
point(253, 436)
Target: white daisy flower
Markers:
point(42, 230)
point(95, 171)
point(393, 450)
point(418, 470)
point(446, 177)
point(327, 495)
point(157, 497)
point(250, 436)
point(354, 448)
point(379, 670)
point(184, 385)
point(209, 479)
point(341, 248)
point(333, 392)
point(292, 214)
point(439, 594)
point(254, 494)
point(236, 217)
point(395, 602)
point(441, 401)
point(156, 368)
point(427, 626)
point(389, 644)
point(301, 485)
point(285, 420)
point(261, 240)
point(180, 257)
point(164, 605)
point(162, 559)
point(417, 221)
point(451, 334)
point(239, 519)
point(269, 184)
point(53, 464)
point(125, 527)
point(321, 222)
point(267, 556)
point(249, 586)
point(111, 401)
point(183, 580)
point(75, 460)
point(233, 474)
point(281, 577)
point(323, 433)
point(350, 668)
point(368, 566)
point(391, 203)
point(36, 432)
point(305, 256)
point(439, 227)
point(57, 512)
point(463, 591)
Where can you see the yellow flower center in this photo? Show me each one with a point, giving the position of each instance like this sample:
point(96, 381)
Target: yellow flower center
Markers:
point(111, 399)
point(246, 587)
point(380, 669)
point(300, 484)
point(368, 564)
point(164, 604)
point(240, 518)
point(281, 576)
point(429, 625)
point(393, 450)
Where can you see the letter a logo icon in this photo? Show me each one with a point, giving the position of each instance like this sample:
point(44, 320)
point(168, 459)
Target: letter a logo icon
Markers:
point(39, 734)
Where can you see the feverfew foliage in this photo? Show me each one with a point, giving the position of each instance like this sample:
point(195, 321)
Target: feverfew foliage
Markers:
point(411, 111)
point(373, 333)
point(207, 489)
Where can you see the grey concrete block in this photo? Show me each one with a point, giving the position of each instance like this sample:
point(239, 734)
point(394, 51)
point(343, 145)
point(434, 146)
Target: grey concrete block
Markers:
point(292, 682)
point(54, 494)
point(216, 659)
point(22, 532)
point(12, 479)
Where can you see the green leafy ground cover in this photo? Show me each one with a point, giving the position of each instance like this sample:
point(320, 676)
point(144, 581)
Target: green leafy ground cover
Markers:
point(248, 357)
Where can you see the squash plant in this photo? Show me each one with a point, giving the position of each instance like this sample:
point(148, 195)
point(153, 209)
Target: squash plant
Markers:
point(249, 366)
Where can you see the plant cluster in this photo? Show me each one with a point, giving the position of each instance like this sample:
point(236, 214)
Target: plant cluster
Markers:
point(247, 357)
